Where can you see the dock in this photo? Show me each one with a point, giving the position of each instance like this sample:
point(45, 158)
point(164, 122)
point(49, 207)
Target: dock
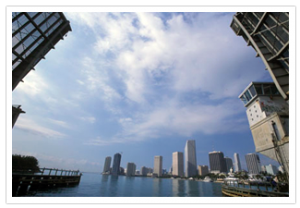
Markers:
point(234, 191)
point(22, 182)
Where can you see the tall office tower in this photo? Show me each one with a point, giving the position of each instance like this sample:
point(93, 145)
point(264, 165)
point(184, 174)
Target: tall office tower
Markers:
point(157, 166)
point(144, 171)
point(203, 170)
point(253, 163)
point(190, 158)
point(229, 164)
point(217, 162)
point(131, 168)
point(116, 164)
point(177, 165)
point(34, 34)
point(263, 168)
point(107, 164)
point(271, 169)
point(237, 163)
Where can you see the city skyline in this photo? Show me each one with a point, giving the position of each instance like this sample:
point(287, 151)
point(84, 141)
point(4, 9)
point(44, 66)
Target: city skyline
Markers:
point(137, 110)
point(220, 164)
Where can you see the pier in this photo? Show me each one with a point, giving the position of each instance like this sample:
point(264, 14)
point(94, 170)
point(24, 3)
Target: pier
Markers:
point(236, 191)
point(23, 181)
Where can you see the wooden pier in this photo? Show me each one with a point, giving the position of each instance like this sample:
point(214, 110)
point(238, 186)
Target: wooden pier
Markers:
point(248, 192)
point(22, 182)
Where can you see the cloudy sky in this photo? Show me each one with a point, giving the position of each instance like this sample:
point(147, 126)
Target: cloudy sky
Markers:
point(141, 84)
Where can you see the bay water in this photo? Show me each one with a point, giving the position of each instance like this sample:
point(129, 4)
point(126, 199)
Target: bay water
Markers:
point(97, 185)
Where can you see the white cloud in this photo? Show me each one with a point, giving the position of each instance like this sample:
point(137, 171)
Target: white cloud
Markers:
point(33, 85)
point(59, 123)
point(35, 128)
point(89, 119)
point(196, 53)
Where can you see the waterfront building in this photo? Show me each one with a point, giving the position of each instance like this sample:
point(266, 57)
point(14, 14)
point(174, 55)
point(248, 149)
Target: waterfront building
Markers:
point(107, 164)
point(177, 164)
point(280, 168)
point(267, 103)
point(190, 158)
point(116, 164)
point(229, 165)
point(237, 163)
point(253, 163)
point(271, 169)
point(203, 170)
point(217, 162)
point(130, 170)
point(158, 166)
point(144, 171)
point(268, 117)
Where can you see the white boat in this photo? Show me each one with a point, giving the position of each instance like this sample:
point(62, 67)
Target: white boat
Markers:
point(207, 179)
point(231, 180)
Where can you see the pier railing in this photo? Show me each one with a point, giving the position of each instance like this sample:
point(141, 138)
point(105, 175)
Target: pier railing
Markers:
point(24, 181)
point(255, 191)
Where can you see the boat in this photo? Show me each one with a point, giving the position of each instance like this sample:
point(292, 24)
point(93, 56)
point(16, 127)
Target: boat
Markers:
point(231, 180)
point(207, 179)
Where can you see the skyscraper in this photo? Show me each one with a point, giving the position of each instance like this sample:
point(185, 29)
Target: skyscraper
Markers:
point(253, 163)
point(237, 163)
point(229, 164)
point(116, 164)
point(131, 168)
point(217, 162)
point(203, 170)
point(190, 158)
point(157, 166)
point(177, 165)
point(107, 164)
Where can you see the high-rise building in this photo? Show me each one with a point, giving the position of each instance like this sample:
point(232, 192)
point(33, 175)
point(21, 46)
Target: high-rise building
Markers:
point(177, 165)
point(272, 169)
point(107, 164)
point(203, 170)
point(253, 163)
point(131, 168)
point(157, 166)
point(34, 34)
point(217, 162)
point(190, 158)
point(116, 164)
point(144, 171)
point(229, 164)
point(237, 163)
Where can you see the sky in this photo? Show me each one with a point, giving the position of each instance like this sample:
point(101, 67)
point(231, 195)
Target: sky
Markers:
point(140, 84)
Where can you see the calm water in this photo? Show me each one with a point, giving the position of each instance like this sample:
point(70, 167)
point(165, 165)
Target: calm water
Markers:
point(96, 185)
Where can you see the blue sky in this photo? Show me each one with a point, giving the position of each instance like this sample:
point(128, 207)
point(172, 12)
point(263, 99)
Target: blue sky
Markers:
point(141, 84)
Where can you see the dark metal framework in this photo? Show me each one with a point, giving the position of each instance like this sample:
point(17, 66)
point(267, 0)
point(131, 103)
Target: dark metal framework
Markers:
point(268, 34)
point(34, 34)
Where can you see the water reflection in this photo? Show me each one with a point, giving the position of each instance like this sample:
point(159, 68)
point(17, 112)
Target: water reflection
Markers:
point(157, 187)
point(192, 188)
point(178, 187)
